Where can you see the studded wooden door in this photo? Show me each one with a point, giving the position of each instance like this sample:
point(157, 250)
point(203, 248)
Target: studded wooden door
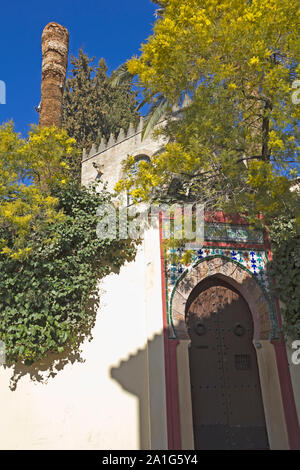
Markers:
point(226, 396)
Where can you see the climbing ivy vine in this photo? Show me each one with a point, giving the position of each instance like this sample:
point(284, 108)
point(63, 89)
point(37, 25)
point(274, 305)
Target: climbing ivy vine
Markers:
point(48, 299)
point(285, 270)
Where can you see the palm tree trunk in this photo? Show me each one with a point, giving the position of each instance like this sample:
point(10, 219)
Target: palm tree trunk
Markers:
point(55, 49)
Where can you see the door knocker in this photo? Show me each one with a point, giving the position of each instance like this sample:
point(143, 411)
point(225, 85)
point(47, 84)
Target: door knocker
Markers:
point(239, 330)
point(200, 329)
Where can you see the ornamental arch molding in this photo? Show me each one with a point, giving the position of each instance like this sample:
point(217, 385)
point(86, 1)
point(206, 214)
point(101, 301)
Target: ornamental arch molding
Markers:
point(221, 268)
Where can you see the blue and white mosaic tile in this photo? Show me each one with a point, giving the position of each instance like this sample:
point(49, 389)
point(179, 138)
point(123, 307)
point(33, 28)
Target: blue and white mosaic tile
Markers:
point(254, 260)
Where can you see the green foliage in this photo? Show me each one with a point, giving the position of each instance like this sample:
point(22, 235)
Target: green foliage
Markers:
point(45, 299)
point(50, 256)
point(42, 160)
point(235, 147)
point(91, 107)
point(285, 270)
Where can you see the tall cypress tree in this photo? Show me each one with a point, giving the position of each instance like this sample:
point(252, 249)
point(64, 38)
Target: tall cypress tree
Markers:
point(91, 107)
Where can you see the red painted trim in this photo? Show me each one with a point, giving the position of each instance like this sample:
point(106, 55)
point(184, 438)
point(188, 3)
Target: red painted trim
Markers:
point(286, 386)
point(220, 217)
point(175, 437)
point(215, 217)
point(287, 393)
point(172, 399)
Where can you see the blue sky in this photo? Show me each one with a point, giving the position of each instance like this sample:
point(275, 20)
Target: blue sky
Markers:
point(111, 29)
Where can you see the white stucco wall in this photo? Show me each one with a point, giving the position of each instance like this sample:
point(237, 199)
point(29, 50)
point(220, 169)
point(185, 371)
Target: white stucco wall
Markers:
point(103, 402)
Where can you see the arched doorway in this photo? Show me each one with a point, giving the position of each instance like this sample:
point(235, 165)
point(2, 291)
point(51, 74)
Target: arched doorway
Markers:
point(227, 404)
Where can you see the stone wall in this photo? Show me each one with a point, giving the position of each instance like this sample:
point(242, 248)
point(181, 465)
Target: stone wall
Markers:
point(111, 154)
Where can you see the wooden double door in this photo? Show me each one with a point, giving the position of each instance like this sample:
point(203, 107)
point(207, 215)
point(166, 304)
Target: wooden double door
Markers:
point(226, 395)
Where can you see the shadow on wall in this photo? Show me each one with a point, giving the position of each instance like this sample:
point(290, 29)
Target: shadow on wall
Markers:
point(133, 376)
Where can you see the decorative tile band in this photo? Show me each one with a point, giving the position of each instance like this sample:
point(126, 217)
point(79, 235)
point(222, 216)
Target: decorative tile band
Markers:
point(254, 261)
point(232, 233)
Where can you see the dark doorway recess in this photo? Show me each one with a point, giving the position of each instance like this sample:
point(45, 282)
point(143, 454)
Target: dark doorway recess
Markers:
point(226, 394)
